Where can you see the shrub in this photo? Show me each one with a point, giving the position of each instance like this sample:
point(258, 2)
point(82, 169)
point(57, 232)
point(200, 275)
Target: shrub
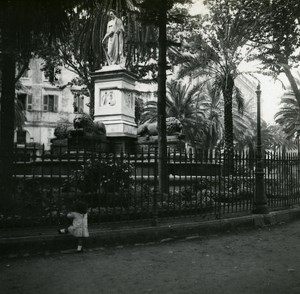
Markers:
point(62, 129)
point(103, 173)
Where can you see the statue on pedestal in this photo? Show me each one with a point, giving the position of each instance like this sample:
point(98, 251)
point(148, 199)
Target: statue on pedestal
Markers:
point(115, 40)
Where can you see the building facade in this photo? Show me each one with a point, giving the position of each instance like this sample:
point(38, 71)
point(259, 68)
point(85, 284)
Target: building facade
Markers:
point(46, 104)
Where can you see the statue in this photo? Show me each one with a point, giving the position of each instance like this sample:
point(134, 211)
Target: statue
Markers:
point(83, 125)
point(89, 127)
point(85, 133)
point(173, 127)
point(115, 37)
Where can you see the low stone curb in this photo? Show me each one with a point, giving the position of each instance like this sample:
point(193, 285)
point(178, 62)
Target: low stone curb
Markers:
point(146, 234)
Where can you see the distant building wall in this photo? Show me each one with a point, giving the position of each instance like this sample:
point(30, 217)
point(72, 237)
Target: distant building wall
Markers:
point(46, 104)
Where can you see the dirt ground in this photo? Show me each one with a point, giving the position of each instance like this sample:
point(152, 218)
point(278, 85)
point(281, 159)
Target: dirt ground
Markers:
point(258, 261)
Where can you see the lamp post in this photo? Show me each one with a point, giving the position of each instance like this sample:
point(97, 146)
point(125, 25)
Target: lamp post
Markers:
point(260, 199)
point(297, 128)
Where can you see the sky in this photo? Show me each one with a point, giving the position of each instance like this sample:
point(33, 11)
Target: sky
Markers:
point(271, 91)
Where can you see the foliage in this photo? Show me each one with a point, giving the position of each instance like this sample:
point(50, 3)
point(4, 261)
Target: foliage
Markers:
point(211, 102)
point(180, 104)
point(288, 115)
point(276, 40)
point(65, 53)
point(226, 189)
point(107, 172)
point(39, 203)
point(215, 53)
point(20, 37)
point(139, 109)
point(62, 129)
point(275, 138)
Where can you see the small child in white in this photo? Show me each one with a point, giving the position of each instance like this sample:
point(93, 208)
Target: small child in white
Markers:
point(79, 227)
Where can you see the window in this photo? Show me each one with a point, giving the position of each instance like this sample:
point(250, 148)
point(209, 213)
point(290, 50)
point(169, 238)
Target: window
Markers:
point(50, 103)
point(78, 103)
point(25, 100)
point(51, 73)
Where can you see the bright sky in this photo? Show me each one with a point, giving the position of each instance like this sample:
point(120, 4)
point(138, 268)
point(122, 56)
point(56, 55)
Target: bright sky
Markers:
point(271, 90)
point(198, 7)
point(271, 94)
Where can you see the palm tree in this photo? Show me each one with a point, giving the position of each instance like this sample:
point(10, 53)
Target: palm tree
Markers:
point(213, 104)
point(221, 67)
point(200, 110)
point(216, 54)
point(210, 102)
point(181, 103)
point(288, 115)
point(244, 125)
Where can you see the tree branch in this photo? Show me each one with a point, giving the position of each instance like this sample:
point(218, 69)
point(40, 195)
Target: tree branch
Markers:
point(22, 71)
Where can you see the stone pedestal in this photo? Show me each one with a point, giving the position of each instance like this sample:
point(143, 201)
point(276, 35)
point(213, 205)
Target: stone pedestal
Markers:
point(115, 101)
point(148, 144)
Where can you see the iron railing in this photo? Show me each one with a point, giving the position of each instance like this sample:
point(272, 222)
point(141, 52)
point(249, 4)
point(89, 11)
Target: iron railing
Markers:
point(124, 186)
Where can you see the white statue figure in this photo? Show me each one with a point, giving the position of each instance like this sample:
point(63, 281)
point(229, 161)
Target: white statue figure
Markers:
point(115, 36)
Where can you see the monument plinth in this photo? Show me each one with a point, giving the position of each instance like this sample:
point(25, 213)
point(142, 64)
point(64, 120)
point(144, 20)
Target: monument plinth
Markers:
point(115, 103)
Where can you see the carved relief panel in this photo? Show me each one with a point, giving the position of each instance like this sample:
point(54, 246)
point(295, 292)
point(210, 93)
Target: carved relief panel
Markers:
point(107, 98)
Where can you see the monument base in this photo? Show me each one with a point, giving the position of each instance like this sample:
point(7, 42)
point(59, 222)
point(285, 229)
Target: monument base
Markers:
point(115, 102)
point(148, 144)
point(122, 144)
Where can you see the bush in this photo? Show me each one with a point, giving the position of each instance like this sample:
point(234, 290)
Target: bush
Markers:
point(62, 129)
point(106, 173)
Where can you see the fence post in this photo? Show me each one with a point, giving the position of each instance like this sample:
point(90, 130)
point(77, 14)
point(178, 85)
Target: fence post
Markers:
point(154, 208)
point(260, 199)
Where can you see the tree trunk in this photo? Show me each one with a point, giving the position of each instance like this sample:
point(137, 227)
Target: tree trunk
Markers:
point(92, 99)
point(228, 122)
point(293, 83)
point(7, 112)
point(161, 103)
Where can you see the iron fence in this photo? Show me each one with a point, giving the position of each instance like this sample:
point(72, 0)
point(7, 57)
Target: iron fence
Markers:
point(124, 186)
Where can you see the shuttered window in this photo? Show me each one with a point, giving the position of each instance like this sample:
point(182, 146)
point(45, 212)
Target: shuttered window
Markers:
point(78, 103)
point(25, 100)
point(50, 103)
point(29, 102)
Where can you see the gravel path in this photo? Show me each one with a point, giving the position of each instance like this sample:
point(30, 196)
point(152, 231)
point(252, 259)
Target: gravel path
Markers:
point(258, 261)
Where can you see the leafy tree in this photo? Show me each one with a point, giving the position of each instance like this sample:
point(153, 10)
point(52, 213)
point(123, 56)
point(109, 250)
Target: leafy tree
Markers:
point(277, 39)
point(82, 53)
point(19, 37)
point(19, 113)
point(66, 53)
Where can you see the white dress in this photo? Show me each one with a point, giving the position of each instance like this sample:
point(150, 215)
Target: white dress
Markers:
point(79, 227)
